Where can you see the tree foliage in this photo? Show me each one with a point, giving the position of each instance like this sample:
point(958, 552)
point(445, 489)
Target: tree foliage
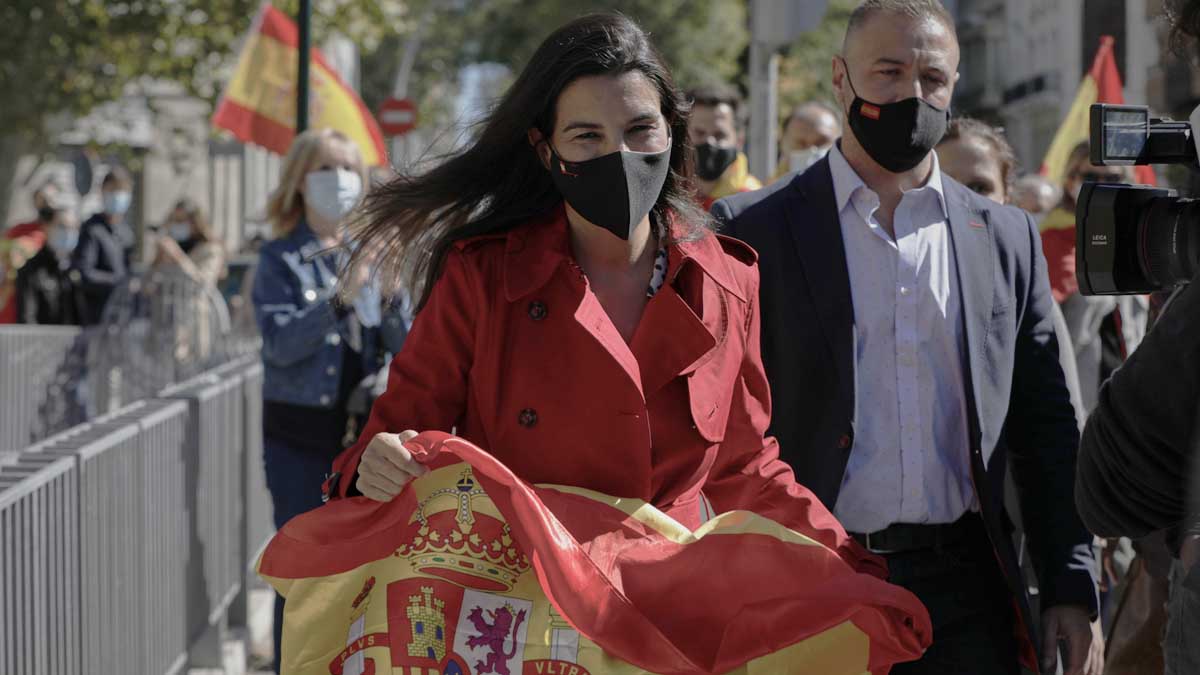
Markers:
point(66, 56)
point(805, 70)
point(701, 41)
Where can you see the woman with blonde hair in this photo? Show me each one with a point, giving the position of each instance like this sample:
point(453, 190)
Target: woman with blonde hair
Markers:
point(317, 345)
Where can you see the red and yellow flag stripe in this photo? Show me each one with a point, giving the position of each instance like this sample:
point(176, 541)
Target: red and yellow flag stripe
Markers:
point(473, 571)
point(1102, 84)
point(259, 103)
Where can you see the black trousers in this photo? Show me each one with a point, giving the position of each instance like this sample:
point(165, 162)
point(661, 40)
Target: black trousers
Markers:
point(969, 605)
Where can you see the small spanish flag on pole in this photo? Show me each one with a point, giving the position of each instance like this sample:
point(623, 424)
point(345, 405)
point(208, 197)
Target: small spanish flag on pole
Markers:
point(1102, 84)
point(259, 103)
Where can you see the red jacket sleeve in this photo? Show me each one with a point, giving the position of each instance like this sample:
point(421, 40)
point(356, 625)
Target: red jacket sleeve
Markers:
point(748, 474)
point(427, 380)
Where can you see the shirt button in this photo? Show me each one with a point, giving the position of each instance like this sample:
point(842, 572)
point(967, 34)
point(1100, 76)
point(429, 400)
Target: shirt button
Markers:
point(905, 290)
point(310, 295)
point(845, 442)
point(333, 339)
point(537, 310)
point(331, 370)
point(528, 418)
point(325, 400)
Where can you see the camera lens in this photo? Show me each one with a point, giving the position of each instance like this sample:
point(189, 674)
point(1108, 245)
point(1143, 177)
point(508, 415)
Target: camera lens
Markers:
point(1169, 243)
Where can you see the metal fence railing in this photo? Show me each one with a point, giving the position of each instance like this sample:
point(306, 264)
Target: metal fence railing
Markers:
point(125, 541)
point(31, 358)
point(39, 572)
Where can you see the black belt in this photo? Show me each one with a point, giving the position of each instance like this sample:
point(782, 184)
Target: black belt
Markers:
point(905, 537)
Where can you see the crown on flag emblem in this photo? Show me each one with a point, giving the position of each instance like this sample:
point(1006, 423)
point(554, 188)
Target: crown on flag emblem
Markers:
point(454, 543)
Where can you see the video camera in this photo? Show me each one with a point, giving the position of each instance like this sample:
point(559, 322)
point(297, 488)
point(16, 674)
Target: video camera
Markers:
point(1133, 239)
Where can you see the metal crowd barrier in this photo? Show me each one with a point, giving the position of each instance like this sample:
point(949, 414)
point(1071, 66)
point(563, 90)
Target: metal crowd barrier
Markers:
point(31, 357)
point(125, 542)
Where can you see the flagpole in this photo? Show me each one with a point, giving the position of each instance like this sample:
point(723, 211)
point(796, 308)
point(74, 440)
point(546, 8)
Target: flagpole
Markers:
point(303, 19)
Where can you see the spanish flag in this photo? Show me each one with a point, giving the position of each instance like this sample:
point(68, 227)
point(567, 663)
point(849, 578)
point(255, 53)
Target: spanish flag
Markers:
point(1102, 84)
point(472, 571)
point(259, 103)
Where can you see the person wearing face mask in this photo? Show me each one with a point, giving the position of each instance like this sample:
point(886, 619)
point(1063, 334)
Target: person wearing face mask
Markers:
point(186, 245)
point(317, 345)
point(105, 247)
point(913, 362)
point(24, 241)
point(188, 263)
point(1104, 329)
point(1035, 194)
point(579, 320)
point(807, 135)
point(49, 291)
point(717, 132)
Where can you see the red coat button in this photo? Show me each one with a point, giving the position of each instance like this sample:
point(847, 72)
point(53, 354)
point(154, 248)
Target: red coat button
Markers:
point(537, 310)
point(527, 418)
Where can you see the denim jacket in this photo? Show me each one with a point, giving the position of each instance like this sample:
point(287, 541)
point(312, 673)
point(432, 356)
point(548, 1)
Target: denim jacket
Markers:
point(302, 336)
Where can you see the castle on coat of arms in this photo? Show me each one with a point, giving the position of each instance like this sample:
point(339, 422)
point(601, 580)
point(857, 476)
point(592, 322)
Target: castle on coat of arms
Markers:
point(428, 620)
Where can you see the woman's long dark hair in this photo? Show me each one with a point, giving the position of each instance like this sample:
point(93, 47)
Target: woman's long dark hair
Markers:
point(408, 224)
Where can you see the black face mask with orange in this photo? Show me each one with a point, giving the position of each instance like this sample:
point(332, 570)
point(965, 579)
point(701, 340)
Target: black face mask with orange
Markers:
point(898, 136)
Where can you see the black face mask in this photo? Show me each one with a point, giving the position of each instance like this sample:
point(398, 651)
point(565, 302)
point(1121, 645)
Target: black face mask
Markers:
point(896, 135)
point(614, 191)
point(712, 160)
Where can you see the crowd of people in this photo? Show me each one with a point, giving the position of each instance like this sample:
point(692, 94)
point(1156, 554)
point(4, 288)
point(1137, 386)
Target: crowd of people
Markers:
point(58, 271)
point(904, 331)
point(908, 318)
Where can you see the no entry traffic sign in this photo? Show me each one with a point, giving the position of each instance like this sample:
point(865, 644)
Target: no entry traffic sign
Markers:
point(397, 116)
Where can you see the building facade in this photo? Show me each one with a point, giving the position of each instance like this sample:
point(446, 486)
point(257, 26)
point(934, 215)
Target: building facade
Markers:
point(1023, 60)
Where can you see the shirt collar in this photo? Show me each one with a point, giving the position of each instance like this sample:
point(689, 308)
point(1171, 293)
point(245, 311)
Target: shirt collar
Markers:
point(846, 180)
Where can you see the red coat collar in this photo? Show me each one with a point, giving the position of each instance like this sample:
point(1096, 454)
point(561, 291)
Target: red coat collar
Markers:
point(534, 251)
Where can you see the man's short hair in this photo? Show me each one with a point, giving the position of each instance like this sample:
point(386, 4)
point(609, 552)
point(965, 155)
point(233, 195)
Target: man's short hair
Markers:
point(962, 128)
point(1079, 159)
point(916, 9)
point(1183, 16)
point(714, 95)
point(823, 106)
point(117, 176)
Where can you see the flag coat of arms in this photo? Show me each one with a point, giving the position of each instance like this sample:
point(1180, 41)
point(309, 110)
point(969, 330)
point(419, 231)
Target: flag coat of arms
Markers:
point(259, 102)
point(472, 571)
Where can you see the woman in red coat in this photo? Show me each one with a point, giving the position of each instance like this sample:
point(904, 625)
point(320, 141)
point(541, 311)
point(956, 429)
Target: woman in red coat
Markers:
point(579, 319)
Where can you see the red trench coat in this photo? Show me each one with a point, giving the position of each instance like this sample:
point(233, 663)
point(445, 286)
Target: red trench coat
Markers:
point(514, 352)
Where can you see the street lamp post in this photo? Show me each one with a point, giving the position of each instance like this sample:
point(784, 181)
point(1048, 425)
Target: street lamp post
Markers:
point(303, 20)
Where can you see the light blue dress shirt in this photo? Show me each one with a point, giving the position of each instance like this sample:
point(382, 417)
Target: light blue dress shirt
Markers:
point(910, 461)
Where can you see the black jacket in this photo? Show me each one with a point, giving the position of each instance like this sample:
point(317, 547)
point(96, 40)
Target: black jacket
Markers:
point(1021, 415)
point(48, 291)
point(102, 260)
point(1136, 458)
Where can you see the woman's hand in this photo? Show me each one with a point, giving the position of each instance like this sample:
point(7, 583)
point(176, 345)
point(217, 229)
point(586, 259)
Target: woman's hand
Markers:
point(169, 250)
point(386, 466)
